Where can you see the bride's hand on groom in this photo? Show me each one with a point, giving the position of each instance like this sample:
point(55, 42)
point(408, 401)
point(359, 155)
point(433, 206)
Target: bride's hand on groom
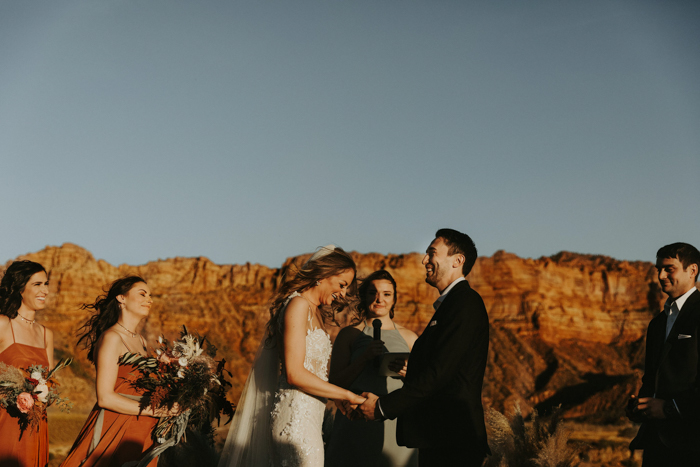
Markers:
point(344, 406)
point(369, 409)
point(349, 407)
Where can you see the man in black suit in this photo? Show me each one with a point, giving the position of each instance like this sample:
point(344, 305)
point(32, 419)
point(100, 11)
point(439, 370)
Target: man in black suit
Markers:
point(669, 399)
point(439, 406)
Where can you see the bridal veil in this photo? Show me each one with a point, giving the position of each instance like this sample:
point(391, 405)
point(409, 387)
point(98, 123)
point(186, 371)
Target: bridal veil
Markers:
point(249, 437)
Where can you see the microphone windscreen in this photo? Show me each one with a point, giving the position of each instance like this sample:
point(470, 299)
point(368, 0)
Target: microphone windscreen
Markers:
point(377, 325)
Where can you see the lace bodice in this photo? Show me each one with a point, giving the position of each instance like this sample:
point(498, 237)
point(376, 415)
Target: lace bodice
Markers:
point(297, 417)
point(318, 354)
point(318, 351)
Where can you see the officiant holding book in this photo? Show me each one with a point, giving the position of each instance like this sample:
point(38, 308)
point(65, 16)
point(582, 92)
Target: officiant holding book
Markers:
point(356, 364)
point(439, 407)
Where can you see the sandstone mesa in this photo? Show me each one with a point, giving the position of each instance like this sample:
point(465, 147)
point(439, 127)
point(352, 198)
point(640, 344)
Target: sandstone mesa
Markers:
point(567, 329)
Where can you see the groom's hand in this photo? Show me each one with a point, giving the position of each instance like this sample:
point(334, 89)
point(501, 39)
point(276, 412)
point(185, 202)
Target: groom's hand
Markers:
point(369, 409)
point(344, 406)
point(651, 407)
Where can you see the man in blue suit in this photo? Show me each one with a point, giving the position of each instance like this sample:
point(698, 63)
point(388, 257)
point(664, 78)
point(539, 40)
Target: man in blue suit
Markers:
point(669, 400)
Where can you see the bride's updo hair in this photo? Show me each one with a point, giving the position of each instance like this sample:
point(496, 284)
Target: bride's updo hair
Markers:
point(326, 262)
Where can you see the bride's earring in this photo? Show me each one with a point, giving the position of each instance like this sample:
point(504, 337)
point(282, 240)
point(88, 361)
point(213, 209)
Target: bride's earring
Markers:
point(318, 283)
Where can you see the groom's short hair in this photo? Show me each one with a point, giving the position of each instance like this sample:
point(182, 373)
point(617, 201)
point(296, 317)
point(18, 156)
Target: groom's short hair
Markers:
point(686, 253)
point(459, 243)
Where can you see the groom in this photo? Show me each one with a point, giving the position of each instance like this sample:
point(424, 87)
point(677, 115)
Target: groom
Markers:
point(439, 407)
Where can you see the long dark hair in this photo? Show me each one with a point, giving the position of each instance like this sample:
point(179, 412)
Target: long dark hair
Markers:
point(380, 275)
point(12, 285)
point(106, 313)
point(327, 264)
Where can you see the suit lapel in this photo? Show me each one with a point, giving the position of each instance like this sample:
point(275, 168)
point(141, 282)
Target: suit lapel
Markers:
point(662, 350)
point(683, 316)
point(437, 317)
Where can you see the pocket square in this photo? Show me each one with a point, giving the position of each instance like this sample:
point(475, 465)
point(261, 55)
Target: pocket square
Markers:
point(434, 322)
point(684, 336)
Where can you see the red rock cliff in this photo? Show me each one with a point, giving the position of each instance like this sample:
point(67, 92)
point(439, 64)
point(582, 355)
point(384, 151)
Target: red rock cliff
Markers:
point(564, 329)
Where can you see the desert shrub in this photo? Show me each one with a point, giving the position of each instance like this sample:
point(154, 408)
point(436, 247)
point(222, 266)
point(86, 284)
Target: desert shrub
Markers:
point(539, 443)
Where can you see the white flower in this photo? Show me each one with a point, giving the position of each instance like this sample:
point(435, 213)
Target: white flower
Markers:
point(37, 375)
point(180, 373)
point(189, 346)
point(182, 361)
point(42, 392)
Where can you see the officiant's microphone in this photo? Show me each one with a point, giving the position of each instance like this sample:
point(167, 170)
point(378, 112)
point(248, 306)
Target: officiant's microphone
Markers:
point(377, 325)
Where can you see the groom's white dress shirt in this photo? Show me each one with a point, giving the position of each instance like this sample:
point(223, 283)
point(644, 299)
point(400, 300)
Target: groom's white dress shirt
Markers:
point(444, 293)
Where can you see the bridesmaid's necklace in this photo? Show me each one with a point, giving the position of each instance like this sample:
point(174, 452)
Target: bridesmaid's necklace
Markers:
point(132, 334)
point(28, 321)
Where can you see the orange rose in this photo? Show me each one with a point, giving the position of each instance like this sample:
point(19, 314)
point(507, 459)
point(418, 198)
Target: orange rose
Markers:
point(25, 402)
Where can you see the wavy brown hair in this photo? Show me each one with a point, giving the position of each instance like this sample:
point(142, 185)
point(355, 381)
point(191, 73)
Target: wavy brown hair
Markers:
point(13, 283)
point(106, 312)
point(330, 264)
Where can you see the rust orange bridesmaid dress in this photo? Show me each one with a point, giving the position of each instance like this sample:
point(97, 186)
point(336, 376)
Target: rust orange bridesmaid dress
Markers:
point(109, 439)
point(29, 448)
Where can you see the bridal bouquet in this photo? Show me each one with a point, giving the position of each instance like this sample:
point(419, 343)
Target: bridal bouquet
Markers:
point(184, 373)
point(27, 392)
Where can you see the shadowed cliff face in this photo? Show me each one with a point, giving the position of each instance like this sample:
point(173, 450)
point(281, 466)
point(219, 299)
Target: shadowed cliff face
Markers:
point(567, 329)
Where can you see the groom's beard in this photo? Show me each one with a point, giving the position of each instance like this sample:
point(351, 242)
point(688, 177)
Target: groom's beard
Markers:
point(434, 277)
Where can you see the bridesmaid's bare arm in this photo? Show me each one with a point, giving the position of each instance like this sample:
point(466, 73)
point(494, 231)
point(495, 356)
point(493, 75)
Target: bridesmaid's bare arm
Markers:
point(5, 333)
point(109, 348)
point(49, 347)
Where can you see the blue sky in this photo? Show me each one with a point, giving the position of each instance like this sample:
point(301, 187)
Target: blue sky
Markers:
point(253, 131)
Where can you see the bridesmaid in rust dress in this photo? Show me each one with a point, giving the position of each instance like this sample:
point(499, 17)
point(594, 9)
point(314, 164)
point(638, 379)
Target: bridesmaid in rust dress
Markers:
point(24, 342)
point(116, 430)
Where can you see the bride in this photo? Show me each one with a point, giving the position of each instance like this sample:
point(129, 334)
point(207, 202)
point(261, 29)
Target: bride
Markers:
point(280, 413)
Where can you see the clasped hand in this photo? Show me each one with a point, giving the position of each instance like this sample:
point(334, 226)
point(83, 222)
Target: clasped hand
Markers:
point(174, 411)
point(368, 410)
point(644, 408)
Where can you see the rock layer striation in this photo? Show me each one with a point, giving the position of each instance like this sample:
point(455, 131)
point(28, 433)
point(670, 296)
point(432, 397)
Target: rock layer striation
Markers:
point(567, 329)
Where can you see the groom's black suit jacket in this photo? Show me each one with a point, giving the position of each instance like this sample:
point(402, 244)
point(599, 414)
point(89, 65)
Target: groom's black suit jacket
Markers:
point(439, 405)
point(672, 372)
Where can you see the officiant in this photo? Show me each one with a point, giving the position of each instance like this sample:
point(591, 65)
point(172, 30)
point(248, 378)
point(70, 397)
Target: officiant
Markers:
point(355, 364)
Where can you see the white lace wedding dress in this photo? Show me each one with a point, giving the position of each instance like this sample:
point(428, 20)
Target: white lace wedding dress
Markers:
point(297, 417)
point(284, 430)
